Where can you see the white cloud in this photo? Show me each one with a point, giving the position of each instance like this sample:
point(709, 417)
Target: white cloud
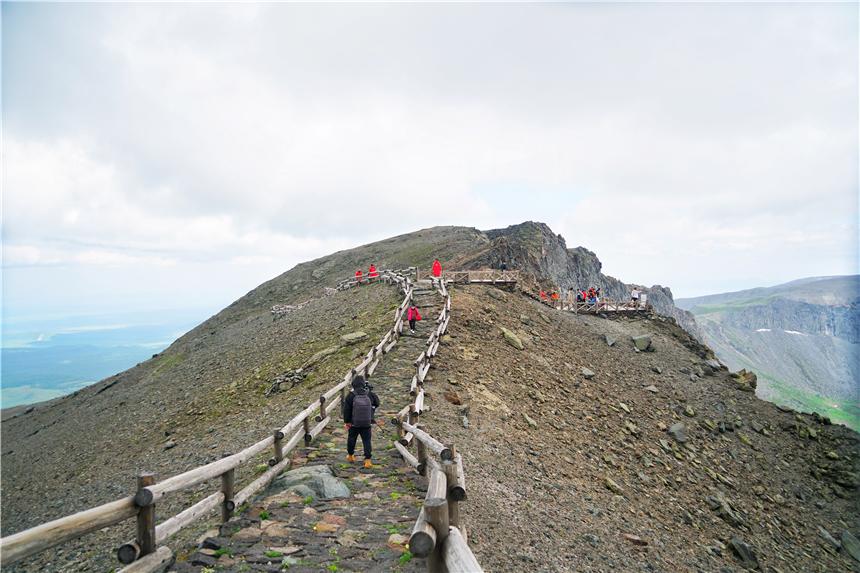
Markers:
point(682, 143)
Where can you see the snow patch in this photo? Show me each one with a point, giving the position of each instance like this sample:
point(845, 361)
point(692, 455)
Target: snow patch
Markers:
point(794, 332)
point(763, 330)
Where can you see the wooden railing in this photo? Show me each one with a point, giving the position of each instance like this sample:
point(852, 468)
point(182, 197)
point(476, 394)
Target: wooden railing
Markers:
point(438, 533)
point(144, 553)
point(481, 276)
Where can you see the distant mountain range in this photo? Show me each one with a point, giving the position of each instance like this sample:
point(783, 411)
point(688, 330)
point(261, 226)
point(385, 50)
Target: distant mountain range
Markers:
point(801, 338)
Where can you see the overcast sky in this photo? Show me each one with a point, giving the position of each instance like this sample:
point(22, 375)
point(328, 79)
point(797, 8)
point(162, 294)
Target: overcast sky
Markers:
point(169, 155)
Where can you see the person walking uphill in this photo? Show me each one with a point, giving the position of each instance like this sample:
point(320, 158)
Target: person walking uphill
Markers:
point(358, 419)
point(412, 315)
point(437, 268)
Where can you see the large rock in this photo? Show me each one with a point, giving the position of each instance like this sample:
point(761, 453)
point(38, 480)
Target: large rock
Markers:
point(642, 342)
point(678, 430)
point(745, 553)
point(353, 337)
point(587, 374)
point(512, 338)
point(851, 545)
point(318, 479)
point(320, 356)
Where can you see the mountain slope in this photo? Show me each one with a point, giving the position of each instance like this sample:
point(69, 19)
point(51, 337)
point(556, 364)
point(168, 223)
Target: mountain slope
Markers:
point(206, 394)
point(801, 338)
point(578, 472)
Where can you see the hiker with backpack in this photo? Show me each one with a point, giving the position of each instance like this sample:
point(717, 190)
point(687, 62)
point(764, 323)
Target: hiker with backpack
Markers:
point(358, 418)
point(413, 316)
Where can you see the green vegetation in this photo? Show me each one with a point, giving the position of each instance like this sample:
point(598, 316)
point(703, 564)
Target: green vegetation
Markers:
point(393, 528)
point(839, 411)
point(308, 500)
point(730, 306)
point(395, 495)
point(405, 558)
point(264, 514)
point(273, 554)
point(260, 468)
point(166, 362)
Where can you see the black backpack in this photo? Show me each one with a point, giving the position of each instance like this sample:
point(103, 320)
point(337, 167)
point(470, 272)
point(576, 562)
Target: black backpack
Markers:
point(362, 411)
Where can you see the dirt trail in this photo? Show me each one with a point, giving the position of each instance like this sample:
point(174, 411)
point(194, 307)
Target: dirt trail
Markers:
point(366, 532)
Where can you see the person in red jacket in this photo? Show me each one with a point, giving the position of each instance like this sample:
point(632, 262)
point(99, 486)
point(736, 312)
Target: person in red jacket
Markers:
point(358, 276)
point(437, 268)
point(543, 295)
point(413, 316)
point(371, 272)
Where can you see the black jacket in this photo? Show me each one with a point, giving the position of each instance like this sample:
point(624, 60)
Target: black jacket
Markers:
point(347, 406)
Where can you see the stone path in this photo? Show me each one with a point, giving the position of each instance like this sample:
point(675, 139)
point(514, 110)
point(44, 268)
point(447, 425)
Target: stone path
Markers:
point(368, 531)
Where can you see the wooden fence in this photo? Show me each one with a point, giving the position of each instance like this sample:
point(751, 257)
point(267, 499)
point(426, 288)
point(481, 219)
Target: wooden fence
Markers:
point(490, 276)
point(438, 533)
point(146, 552)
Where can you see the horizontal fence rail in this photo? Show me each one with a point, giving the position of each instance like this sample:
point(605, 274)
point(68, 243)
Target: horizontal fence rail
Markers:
point(438, 533)
point(145, 553)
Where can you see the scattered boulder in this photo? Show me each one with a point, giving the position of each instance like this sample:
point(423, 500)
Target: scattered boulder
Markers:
point(613, 487)
point(825, 535)
point(610, 340)
point(353, 337)
point(588, 374)
point(169, 445)
point(745, 553)
point(745, 380)
point(319, 357)
point(316, 478)
point(851, 545)
point(529, 420)
point(657, 370)
point(512, 338)
point(642, 343)
point(453, 397)
point(678, 430)
point(651, 388)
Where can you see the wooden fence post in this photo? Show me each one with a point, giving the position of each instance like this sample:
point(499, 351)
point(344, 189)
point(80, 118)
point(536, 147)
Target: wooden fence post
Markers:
point(146, 518)
point(227, 484)
point(307, 427)
point(422, 457)
point(450, 469)
point(436, 512)
point(322, 413)
point(279, 448)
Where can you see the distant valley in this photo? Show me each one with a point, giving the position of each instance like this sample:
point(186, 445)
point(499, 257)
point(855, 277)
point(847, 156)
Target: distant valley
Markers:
point(44, 358)
point(802, 339)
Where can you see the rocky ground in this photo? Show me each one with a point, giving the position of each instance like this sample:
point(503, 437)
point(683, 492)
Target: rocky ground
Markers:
point(571, 465)
point(203, 397)
point(567, 469)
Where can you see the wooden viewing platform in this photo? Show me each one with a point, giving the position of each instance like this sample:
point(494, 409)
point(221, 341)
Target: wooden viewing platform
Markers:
point(603, 306)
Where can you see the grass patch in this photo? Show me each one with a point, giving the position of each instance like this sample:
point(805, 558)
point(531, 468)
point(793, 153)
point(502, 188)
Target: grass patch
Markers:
point(221, 552)
point(166, 362)
point(273, 554)
point(405, 558)
point(264, 514)
point(308, 500)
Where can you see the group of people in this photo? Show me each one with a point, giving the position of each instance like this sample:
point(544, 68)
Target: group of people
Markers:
point(591, 296)
point(372, 274)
